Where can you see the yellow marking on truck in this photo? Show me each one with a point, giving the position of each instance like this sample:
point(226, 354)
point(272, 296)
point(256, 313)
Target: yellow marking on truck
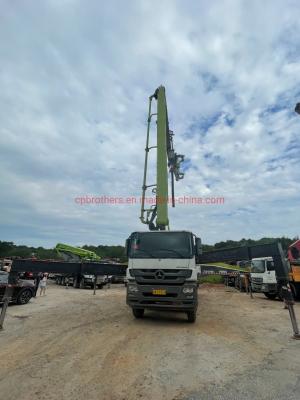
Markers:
point(159, 292)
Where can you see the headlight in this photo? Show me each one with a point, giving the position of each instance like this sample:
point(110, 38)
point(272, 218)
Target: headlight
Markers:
point(132, 288)
point(264, 287)
point(188, 290)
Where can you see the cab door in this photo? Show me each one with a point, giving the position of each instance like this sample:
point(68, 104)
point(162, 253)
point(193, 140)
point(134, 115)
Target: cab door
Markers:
point(3, 283)
point(270, 275)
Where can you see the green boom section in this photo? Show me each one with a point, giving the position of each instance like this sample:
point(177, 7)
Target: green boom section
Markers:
point(76, 252)
point(167, 161)
point(162, 220)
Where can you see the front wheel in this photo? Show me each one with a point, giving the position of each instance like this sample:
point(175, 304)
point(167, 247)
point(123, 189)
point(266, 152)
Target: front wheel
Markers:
point(191, 316)
point(271, 296)
point(138, 312)
point(24, 296)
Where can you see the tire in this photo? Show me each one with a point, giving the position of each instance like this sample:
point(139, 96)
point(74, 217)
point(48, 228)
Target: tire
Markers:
point(191, 315)
point(63, 281)
point(138, 312)
point(271, 296)
point(24, 296)
point(235, 283)
point(297, 289)
point(81, 284)
point(280, 294)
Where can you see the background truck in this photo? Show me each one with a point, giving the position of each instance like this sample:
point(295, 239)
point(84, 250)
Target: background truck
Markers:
point(263, 275)
point(294, 267)
point(5, 264)
point(77, 254)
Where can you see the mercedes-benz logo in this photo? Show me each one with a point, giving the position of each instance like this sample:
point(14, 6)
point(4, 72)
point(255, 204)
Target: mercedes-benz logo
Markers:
point(159, 274)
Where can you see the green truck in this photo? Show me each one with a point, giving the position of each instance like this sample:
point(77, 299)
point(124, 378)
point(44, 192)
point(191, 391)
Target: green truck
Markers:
point(77, 254)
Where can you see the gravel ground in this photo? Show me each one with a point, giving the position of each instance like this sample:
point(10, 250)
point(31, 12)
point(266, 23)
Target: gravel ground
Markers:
point(73, 345)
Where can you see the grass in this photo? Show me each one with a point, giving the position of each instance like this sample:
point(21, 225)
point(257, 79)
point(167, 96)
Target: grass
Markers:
point(211, 279)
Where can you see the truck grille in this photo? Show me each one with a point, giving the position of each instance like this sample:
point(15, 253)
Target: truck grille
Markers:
point(161, 276)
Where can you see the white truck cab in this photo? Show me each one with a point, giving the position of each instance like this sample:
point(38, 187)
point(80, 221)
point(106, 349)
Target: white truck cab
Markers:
point(263, 277)
point(162, 272)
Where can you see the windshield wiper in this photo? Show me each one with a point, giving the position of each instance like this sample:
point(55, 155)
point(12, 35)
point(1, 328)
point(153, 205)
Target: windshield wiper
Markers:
point(174, 251)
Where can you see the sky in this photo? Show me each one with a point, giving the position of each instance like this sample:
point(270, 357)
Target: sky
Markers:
point(75, 79)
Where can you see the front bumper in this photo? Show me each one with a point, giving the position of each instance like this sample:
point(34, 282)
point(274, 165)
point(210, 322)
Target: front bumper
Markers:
point(174, 299)
point(265, 287)
point(256, 287)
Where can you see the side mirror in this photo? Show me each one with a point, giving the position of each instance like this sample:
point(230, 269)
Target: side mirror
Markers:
point(127, 245)
point(198, 247)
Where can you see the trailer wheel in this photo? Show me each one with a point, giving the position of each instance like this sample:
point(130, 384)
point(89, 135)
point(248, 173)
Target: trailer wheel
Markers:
point(81, 283)
point(271, 296)
point(191, 316)
point(138, 312)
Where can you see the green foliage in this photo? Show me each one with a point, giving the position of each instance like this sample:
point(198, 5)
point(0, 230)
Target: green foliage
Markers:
point(211, 279)
point(108, 251)
point(250, 242)
point(207, 247)
point(9, 249)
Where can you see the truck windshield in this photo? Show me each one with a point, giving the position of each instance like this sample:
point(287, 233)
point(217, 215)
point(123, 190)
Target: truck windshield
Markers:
point(161, 245)
point(258, 266)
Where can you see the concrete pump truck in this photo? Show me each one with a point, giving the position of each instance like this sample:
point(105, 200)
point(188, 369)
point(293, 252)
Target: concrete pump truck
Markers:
point(162, 272)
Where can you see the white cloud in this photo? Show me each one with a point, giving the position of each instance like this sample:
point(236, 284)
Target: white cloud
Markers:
point(75, 80)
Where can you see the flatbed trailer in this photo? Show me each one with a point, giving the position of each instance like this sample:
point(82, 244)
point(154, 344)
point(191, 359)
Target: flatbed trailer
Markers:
point(64, 267)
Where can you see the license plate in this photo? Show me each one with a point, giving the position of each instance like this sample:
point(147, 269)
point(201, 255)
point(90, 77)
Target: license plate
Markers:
point(159, 292)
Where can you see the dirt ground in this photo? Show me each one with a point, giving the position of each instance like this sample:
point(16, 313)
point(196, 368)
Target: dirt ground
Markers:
point(74, 345)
